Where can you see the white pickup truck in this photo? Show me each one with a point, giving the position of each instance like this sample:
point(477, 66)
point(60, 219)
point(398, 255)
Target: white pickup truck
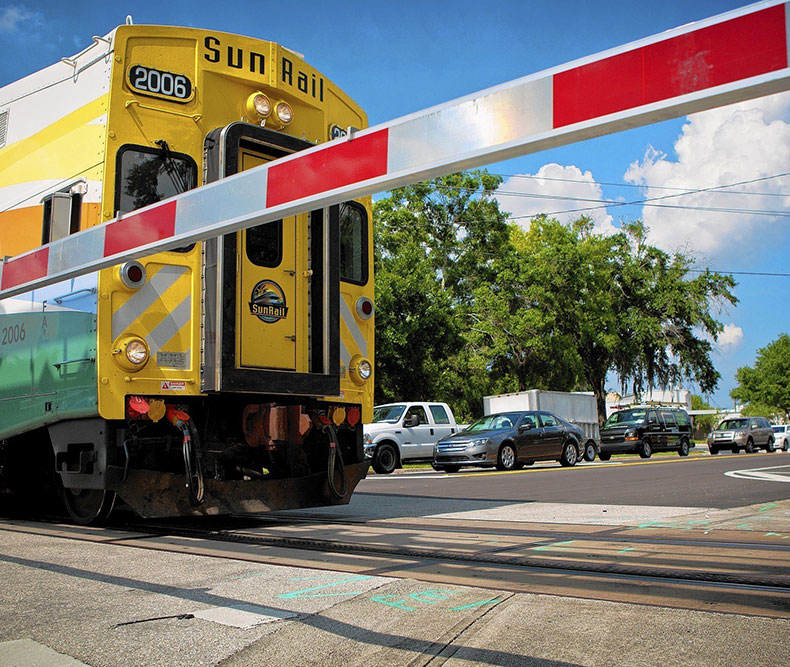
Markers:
point(406, 432)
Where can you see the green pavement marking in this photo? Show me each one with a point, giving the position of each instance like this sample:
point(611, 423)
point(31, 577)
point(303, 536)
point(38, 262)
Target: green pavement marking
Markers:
point(556, 545)
point(774, 534)
point(307, 592)
point(477, 604)
point(433, 596)
point(622, 551)
point(745, 526)
point(767, 507)
point(383, 599)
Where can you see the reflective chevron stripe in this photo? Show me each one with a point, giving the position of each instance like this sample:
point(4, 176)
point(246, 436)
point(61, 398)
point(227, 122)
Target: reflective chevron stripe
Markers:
point(735, 56)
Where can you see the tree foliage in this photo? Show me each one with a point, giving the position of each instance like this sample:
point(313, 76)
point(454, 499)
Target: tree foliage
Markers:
point(766, 386)
point(469, 305)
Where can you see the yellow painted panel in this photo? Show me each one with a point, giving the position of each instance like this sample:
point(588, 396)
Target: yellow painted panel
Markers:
point(166, 315)
point(51, 152)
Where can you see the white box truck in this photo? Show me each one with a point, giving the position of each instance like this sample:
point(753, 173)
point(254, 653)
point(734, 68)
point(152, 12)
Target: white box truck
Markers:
point(576, 407)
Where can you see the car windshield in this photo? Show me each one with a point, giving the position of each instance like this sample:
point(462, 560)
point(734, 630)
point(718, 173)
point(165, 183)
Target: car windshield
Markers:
point(626, 417)
point(494, 422)
point(387, 414)
point(730, 424)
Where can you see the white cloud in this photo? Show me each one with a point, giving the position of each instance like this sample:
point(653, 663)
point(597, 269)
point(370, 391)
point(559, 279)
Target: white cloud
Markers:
point(553, 188)
point(730, 338)
point(13, 17)
point(741, 142)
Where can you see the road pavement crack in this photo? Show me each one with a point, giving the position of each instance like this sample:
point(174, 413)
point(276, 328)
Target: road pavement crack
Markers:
point(449, 649)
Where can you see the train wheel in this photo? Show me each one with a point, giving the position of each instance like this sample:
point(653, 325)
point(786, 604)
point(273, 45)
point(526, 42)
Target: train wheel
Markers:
point(89, 506)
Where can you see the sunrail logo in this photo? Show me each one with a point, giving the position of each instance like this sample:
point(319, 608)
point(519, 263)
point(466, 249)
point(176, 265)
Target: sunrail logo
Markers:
point(267, 302)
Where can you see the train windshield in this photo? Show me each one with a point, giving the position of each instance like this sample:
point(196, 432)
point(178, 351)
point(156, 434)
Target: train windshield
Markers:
point(147, 176)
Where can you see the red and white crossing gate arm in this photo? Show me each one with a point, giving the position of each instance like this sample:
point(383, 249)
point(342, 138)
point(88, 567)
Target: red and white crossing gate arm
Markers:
point(732, 57)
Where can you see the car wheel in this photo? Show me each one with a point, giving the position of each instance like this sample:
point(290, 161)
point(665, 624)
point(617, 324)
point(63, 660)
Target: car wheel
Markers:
point(749, 446)
point(786, 446)
point(713, 452)
point(589, 452)
point(645, 450)
point(771, 446)
point(452, 468)
point(569, 455)
point(605, 456)
point(684, 448)
point(385, 459)
point(506, 459)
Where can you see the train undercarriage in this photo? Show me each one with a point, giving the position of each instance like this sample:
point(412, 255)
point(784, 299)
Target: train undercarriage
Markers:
point(204, 456)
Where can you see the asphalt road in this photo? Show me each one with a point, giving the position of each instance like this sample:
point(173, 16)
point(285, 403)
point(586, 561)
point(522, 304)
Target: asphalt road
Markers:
point(672, 481)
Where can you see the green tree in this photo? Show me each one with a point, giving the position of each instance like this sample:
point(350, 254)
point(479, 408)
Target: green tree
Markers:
point(599, 303)
point(663, 311)
point(767, 384)
point(434, 243)
point(469, 305)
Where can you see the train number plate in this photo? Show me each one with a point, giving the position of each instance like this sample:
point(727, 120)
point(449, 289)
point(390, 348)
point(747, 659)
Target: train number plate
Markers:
point(150, 81)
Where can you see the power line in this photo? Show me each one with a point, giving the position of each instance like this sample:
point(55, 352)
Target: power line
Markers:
point(648, 201)
point(657, 187)
point(741, 273)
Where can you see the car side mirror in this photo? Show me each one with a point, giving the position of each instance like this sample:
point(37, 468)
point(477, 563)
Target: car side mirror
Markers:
point(414, 420)
point(525, 427)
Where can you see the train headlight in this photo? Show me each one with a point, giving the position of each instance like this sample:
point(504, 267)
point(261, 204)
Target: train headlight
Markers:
point(258, 104)
point(360, 369)
point(284, 112)
point(130, 352)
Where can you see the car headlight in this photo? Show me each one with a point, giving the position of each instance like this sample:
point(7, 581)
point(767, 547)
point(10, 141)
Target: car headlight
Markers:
point(366, 438)
point(631, 435)
point(479, 442)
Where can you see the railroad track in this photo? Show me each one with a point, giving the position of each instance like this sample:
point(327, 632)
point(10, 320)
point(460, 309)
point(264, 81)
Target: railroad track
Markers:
point(728, 571)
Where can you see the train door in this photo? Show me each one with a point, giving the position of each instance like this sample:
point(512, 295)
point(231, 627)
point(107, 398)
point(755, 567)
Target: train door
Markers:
point(270, 320)
point(267, 295)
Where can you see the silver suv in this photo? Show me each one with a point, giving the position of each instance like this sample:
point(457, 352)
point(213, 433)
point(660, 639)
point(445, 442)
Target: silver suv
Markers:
point(742, 433)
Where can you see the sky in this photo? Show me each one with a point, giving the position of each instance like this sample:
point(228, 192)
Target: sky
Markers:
point(395, 58)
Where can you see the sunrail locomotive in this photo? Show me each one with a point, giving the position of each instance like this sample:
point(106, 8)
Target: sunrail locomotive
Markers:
point(232, 375)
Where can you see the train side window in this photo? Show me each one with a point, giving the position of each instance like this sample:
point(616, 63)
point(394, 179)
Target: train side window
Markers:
point(353, 243)
point(62, 212)
point(265, 244)
point(147, 175)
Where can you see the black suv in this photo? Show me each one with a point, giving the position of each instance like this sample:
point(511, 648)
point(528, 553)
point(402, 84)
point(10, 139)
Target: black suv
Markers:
point(646, 429)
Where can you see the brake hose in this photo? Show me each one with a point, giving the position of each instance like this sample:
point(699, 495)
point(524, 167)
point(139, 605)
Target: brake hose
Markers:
point(194, 470)
point(335, 456)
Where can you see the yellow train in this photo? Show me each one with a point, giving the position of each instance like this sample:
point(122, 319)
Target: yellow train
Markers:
point(232, 375)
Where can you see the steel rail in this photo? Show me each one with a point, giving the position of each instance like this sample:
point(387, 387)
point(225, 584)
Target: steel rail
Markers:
point(773, 582)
